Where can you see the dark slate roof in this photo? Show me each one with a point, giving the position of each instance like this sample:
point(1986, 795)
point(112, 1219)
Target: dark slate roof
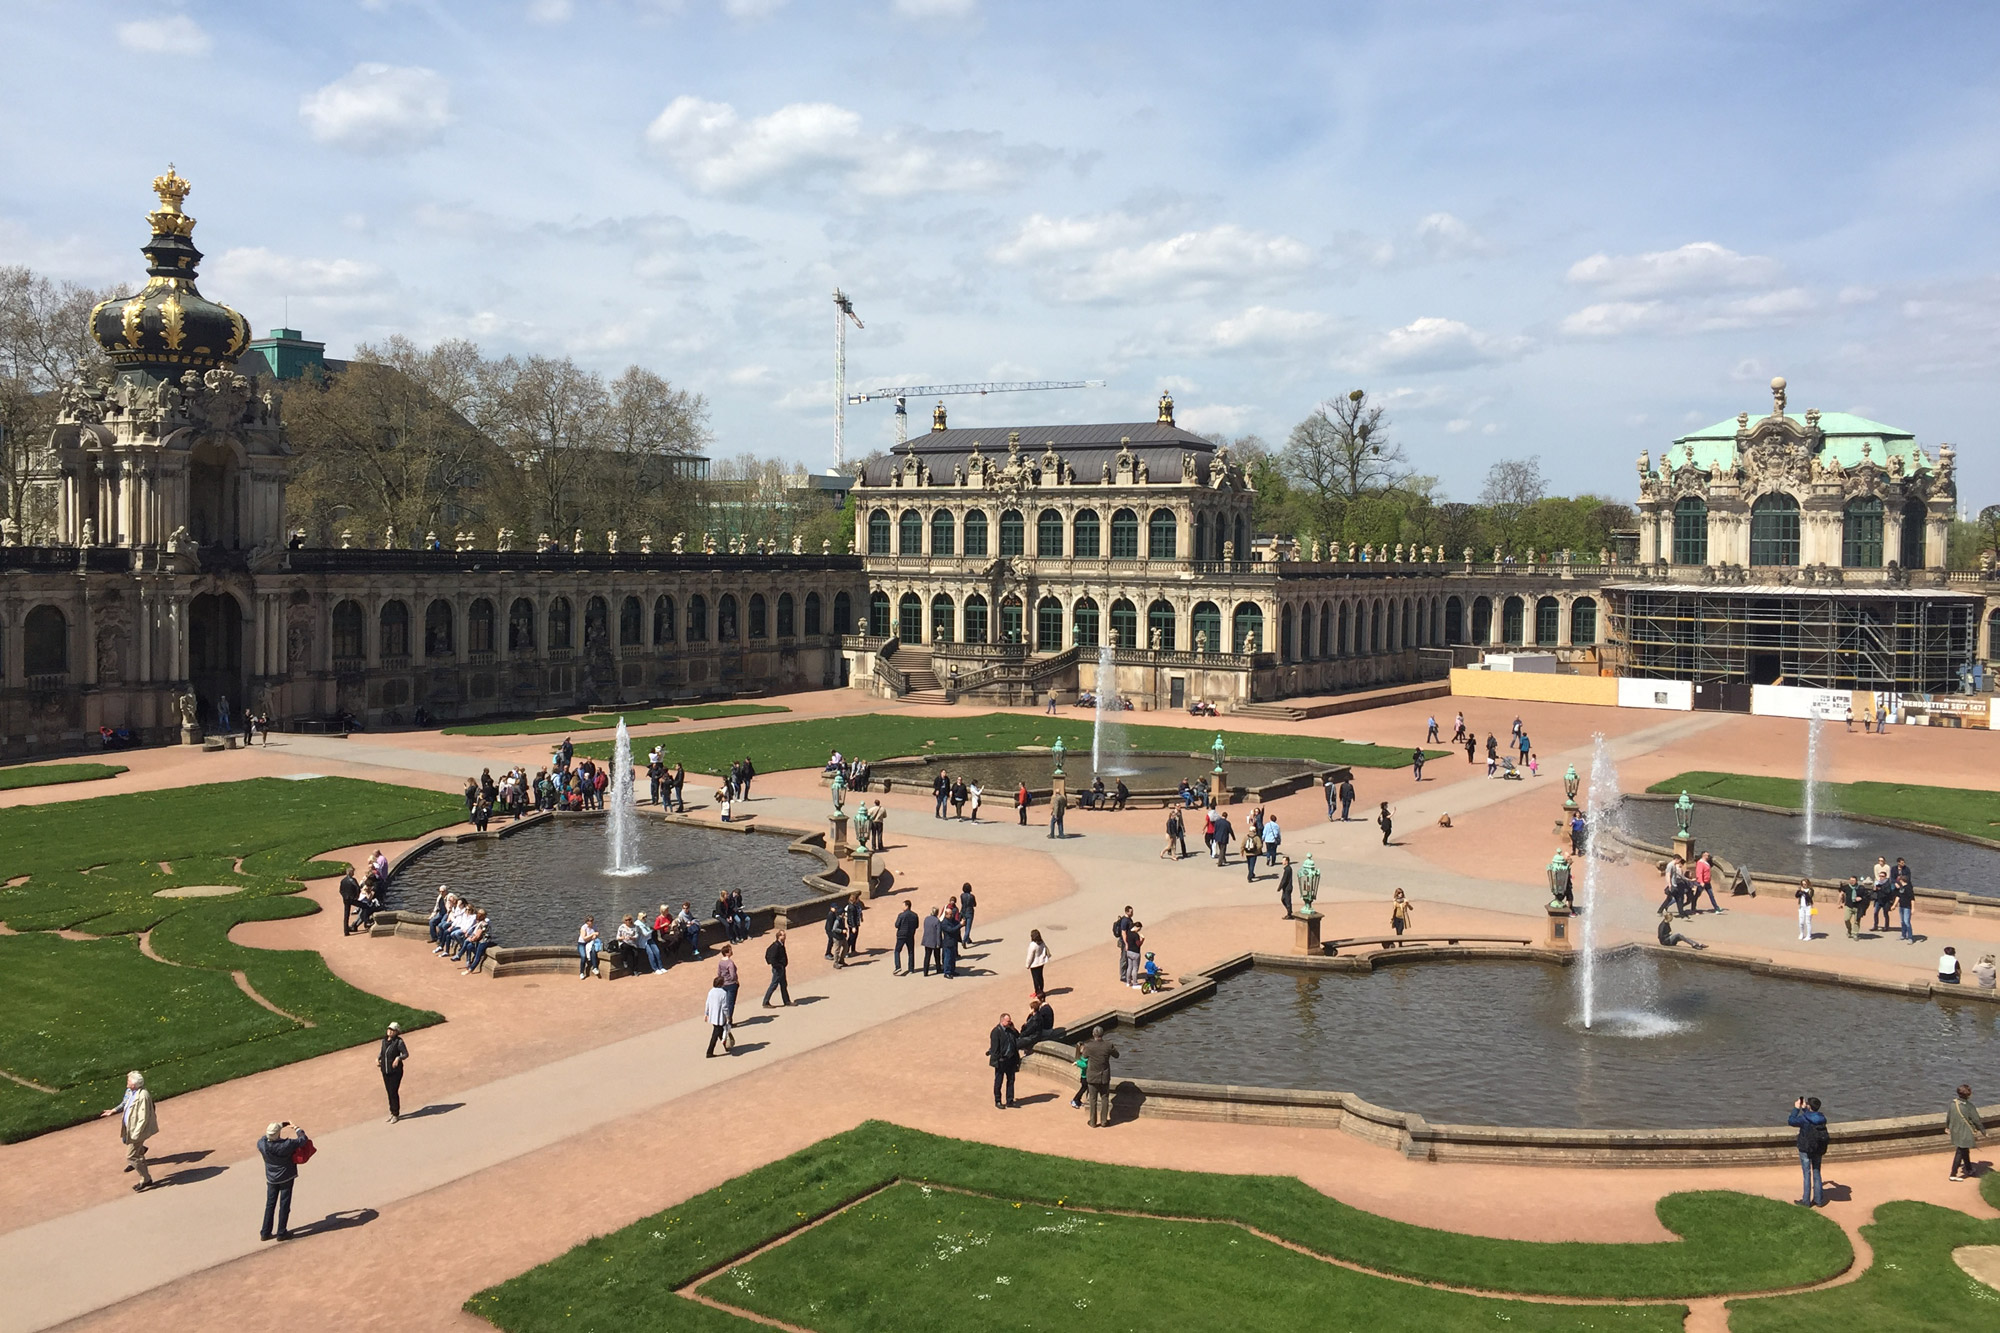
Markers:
point(1085, 447)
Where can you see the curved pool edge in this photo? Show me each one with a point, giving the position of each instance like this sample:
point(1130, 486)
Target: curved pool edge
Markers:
point(1417, 1138)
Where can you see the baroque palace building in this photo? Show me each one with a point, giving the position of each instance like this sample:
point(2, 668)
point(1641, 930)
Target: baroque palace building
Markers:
point(171, 587)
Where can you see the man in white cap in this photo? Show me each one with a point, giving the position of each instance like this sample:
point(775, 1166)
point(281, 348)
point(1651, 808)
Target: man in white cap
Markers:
point(281, 1172)
point(391, 1058)
point(136, 1124)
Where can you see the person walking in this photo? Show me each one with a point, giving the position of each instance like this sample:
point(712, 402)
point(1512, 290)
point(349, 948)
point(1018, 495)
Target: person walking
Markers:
point(1058, 803)
point(1021, 799)
point(779, 959)
point(1386, 821)
point(836, 933)
point(137, 1122)
point(1003, 1052)
point(1224, 831)
point(1272, 837)
point(281, 1156)
point(906, 924)
point(878, 823)
point(1885, 894)
point(1704, 882)
point(588, 945)
point(350, 894)
point(732, 981)
point(1962, 1121)
point(1804, 895)
point(1346, 798)
point(1332, 797)
point(1400, 909)
point(390, 1060)
point(716, 1009)
point(1253, 846)
point(1038, 958)
point(933, 941)
point(1052, 703)
point(1431, 731)
point(1905, 885)
point(1285, 887)
point(949, 937)
point(1097, 1076)
point(1417, 760)
point(1853, 900)
point(1176, 833)
point(1811, 1125)
point(967, 905)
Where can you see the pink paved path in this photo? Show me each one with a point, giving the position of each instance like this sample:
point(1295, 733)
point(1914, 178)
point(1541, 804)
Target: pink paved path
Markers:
point(575, 1108)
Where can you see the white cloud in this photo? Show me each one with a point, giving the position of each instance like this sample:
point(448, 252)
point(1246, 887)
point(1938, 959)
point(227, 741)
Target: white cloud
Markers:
point(258, 269)
point(1436, 344)
point(1086, 263)
point(1612, 319)
point(176, 35)
point(751, 10)
point(1263, 326)
point(549, 11)
point(1699, 266)
point(937, 9)
point(1442, 236)
point(1214, 419)
point(379, 108)
point(807, 142)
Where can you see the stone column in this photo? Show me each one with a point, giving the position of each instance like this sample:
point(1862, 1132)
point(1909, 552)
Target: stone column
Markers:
point(1563, 606)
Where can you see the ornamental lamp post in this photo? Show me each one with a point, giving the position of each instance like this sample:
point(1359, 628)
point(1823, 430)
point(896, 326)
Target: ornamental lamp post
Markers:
point(1217, 750)
point(1056, 751)
point(1570, 783)
point(1684, 816)
point(1558, 878)
point(1218, 784)
point(1308, 884)
point(839, 791)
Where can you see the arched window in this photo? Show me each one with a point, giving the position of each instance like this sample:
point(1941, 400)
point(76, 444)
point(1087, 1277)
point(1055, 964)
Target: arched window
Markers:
point(878, 614)
point(1774, 530)
point(1482, 620)
point(1083, 621)
point(1160, 620)
point(878, 532)
point(45, 642)
point(813, 615)
point(1205, 628)
point(944, 618)
point(1048, 535)
point(726, 627)
point(1201, 537)
point(663, 621)
point(1124, 535)
point(843, 613)
point(1306, 631)
point(1247, 633)
point(1326, 629)
point(521, 626)
point(1912, 553)
point(1048, 625)
point(760, 616)
point(910, 618)
point(1513, 615)
point(395, 629)
point(481, 627)
point(1011, 533)
point(1375, 626)
point(1124, 624)
point(697, 619)
point(1087, 543)
point(910, 533)
point(1583, 620)
point(1010, 619)
point(1242, 538)
point(1286, 631)
point(1993, 636)
point(975, 619)
point(1690, 531)
point(559, 623)
point(944, 533)
point(438, 621)
point(1861, 534)
point(1454, 620)
point(596, 624)
point(787, 616)
point(975, 532)
point(631, 623)
point(349, 639)
point(1406, 632)
point(1548, 621)
point(1162, 535)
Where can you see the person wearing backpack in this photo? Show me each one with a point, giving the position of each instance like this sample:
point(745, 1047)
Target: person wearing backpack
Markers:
point(1813, 1140)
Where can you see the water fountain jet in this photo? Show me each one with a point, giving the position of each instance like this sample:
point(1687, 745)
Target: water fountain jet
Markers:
point(618, 814)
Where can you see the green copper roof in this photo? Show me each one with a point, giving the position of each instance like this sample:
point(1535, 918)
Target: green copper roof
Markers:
point(1845, 435)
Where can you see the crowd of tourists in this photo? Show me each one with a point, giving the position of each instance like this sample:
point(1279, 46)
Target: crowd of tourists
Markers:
point(566, 784)
point(460, 930)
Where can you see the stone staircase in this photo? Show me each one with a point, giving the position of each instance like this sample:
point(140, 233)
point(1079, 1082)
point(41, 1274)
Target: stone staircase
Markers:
point(924, 687)
point(1271, 712)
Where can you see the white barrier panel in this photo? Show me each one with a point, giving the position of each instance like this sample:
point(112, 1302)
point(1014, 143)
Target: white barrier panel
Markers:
point(1674, 695)
point(1801, 701)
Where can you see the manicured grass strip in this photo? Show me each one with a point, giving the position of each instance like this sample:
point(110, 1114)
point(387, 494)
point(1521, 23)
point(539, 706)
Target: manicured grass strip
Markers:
point(1730, 1242)
point(49, 775)
point(1912, 1286)
point(968, 1262)
point(1972, 812)
point(74, 1015)
point(551, 726)
point(873, 736)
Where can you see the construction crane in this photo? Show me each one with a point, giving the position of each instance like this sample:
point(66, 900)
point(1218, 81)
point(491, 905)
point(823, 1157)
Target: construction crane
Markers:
point(843, 310)
point(904, 393)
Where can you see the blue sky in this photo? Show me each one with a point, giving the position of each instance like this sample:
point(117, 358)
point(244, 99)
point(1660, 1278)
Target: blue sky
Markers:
point(1567, 230)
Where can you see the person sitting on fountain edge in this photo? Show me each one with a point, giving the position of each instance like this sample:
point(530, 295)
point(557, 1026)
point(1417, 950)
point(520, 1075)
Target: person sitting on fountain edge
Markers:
point(1669, 937)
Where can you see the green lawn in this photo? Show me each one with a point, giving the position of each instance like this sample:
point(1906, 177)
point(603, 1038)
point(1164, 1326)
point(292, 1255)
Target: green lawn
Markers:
point(557, 726)
point(873, 736)
point(1729, 1242)
point(75, 1014)
point(1973, 812)
point(1912, 1286)
point(48, 775)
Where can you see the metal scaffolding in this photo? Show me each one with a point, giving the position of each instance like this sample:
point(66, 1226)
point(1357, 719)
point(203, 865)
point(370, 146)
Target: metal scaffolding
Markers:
point(1906, 640)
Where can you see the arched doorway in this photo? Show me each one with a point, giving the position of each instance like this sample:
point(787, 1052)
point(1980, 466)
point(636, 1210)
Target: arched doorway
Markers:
point(212, 481)
point(215, 655)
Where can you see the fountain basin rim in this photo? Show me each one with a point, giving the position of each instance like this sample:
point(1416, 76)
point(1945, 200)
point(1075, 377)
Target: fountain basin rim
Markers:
point(1419, 1138)
point(1307, 772)
point(1883, 821)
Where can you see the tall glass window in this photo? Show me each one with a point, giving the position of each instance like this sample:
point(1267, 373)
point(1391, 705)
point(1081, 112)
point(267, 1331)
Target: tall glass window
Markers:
point(1048, 625)
point(1861, 534)
point(1548, 621)
point(878, 532)
point(975, 532)
point(1049, 535)
point(975, 619)
point(1774, 531)
point(1124, 624)
point(1912, 552)
point(1162, 535)
point(943, 536)
point(911, 533)
point(1205, 628)
point(1124, 535)
point(1084, 617)
point(1160, 617)
point(1690, 531)
point(1089, 534)
point(1011, 533)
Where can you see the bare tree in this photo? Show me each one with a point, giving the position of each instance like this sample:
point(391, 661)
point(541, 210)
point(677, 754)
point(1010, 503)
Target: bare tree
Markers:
point(652, 429)
point(1513, 483)
point(1342, 453)
point(551, 416)
point(45, 343)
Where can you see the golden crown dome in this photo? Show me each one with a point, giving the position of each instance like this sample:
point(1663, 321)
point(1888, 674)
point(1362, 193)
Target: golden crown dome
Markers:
point(168, 327)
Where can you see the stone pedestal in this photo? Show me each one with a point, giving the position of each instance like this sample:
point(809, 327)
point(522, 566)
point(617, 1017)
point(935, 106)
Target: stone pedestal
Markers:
point(1218, 787)
point(1684, 847)
point(1561, 919)
point(836, 834)
point(861, 871)
point(190, 734)
point(1058, 786)
point(1306, 933)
